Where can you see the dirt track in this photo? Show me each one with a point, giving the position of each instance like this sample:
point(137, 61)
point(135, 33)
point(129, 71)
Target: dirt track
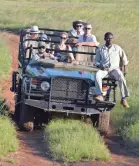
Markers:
point(32, 150)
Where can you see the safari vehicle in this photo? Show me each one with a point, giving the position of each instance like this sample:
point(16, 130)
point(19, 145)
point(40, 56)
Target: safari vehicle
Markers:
point(47, 89)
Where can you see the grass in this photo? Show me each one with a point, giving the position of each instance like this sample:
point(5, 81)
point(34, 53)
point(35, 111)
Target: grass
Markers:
point(8, 139)
point(71, 140)
point(118, 16)
point(5, 63)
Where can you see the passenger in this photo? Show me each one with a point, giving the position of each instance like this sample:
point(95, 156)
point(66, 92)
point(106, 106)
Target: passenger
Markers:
point(43, 36)
point(108, 59)
point(65, 57)
point(42, 54)
point(77, 29)
point(87, 38)
point(34, 34)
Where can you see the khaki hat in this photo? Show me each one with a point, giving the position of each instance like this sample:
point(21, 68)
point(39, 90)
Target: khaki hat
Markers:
point(42, 44)
point(34, 29)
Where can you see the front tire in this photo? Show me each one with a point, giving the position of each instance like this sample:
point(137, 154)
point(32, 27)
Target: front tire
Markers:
point(104, 122)
point(26, 121)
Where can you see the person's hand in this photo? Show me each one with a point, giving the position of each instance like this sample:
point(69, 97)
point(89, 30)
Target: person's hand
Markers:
point(79, 44)
point(51, 56)
point(101, 67)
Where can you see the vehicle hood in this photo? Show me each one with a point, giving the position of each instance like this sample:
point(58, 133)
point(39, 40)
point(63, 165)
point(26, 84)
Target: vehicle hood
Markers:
point(39, 71)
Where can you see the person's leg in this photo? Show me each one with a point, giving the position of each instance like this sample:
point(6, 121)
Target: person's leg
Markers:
point(118, 75)
point(98, 83)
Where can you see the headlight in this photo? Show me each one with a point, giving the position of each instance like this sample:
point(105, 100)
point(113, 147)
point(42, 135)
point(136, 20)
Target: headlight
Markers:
point(45, 86)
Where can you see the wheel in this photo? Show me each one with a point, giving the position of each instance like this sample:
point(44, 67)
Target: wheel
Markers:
point(104, 122)
point(26, 119)
point(17, 103)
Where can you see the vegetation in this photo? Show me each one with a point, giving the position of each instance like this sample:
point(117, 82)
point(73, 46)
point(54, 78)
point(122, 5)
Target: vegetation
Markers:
point(8, 140)
point(118, 16)
point(5, 62)
point(71, 140)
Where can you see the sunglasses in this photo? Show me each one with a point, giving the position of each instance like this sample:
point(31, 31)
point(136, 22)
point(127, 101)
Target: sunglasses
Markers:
point(63, 38)
point(78, 25)
point(87, 28)
point(42, 47)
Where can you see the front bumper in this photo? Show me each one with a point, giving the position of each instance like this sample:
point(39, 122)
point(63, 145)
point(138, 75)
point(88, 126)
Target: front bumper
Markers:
point(88, 109)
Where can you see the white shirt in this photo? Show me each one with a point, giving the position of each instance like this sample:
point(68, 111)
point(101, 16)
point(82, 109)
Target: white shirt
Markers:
point(90, 38)
point(73, 33)
point(110, 57)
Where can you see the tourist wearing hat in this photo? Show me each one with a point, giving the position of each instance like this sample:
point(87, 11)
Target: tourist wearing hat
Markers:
point(34, 34)
point(42, 54)
point(77, 29)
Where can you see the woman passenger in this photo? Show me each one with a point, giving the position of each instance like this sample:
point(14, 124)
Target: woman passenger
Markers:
point(64, 56)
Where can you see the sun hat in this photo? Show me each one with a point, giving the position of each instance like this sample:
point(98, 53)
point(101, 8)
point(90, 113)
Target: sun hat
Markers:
point(40, 44)
point(34, 29)
point(43, 36)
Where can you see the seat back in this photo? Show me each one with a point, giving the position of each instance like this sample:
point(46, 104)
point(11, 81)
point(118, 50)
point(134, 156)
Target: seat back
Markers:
point(85, 59)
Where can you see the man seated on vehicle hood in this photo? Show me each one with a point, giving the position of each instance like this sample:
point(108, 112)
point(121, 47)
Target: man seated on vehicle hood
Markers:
point(42, 54)
point(87, 39)
point(108, 59)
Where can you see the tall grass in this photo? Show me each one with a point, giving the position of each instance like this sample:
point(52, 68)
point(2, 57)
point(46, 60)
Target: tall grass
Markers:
point(118, 16)
point(5, 62)
point(8, 139)
point(71, 140)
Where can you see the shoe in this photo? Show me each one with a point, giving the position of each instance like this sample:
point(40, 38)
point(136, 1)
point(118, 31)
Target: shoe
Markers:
point(124, 103)
point(99, 98)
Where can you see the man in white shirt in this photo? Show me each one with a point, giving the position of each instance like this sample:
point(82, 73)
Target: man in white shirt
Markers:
point(87, 38)
point(108, 59)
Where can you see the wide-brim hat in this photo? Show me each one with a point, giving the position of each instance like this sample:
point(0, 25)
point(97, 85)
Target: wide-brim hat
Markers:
point(77, 22)
point(34, 29)
point(43, 36)
point(40, 44)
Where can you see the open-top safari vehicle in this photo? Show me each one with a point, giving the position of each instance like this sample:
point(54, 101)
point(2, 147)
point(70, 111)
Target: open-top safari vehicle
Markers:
point(47, 89)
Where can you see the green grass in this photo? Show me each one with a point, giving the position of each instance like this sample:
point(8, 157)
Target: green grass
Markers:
point(8, 139)
point(5, 60)
point(5, 63)
point(71, 140)
point(118, 16)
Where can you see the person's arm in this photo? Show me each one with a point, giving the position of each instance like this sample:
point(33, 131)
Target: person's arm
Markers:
point(92, 42)
point(70, 54)
point(124, 57)
point(87, 44)
point(123, 61)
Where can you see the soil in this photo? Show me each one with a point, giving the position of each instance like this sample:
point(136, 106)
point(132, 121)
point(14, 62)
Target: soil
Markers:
point(32, 150)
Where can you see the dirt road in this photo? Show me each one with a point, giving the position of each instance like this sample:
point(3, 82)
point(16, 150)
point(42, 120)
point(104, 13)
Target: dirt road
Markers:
point(32, 150)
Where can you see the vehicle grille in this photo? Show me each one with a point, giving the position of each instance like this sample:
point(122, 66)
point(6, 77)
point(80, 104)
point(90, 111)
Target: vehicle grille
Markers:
point(68, 89)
